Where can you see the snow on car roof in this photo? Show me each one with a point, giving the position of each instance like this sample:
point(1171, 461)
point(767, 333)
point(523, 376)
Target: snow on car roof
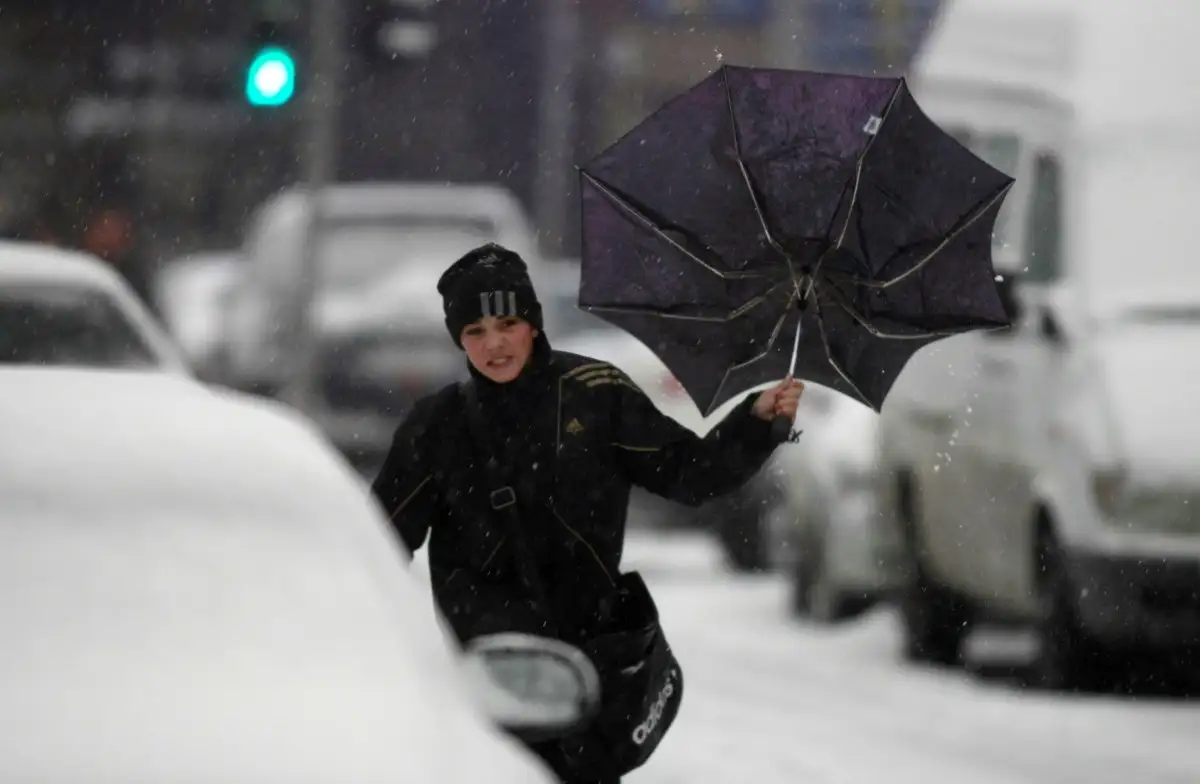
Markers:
point(35, 262)
point(209, 589)
point(112, 442)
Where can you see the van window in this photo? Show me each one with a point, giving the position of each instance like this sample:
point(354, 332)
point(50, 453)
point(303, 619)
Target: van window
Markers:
point(1002, 151)
point(1043, 230)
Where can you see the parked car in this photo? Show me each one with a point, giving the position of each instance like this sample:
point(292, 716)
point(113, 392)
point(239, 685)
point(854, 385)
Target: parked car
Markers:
point(198, 588)
point(824, 529)
point(381, 249)
point(61, 307)
point(1046, 475)
point(192, 294)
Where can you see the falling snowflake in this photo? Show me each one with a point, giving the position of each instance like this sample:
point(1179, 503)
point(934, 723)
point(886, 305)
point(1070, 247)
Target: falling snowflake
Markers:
point(720, 56)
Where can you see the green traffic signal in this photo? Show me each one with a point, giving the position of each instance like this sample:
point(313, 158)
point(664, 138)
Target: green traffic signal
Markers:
point(271, 78)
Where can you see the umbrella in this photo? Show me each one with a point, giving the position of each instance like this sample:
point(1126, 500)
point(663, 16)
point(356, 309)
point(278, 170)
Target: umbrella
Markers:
point(768, 222)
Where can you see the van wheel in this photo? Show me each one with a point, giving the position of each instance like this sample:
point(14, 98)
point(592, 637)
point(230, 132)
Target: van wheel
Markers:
point(935, 620)
point(1068, 659)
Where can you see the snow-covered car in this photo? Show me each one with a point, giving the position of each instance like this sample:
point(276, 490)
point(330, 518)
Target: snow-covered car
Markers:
point(196, 587)
point(824, 530)
point(63, 307)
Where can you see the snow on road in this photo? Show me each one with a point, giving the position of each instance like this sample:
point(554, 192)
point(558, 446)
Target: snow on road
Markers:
point(768, 699)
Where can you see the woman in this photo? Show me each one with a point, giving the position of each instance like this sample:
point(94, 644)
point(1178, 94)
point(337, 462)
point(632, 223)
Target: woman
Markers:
point(570, 435)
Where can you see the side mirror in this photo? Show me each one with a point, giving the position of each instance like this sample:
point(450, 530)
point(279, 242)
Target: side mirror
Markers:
point(532, 686)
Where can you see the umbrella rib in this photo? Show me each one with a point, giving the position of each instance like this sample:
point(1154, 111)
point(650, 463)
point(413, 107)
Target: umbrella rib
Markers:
point(860, 164)
point(840, 301)
point(832, 362)
point(654, 313)
point(637, 214)
point(765, 353)
point(979, 211)
point(975, 216)
point(737, 154)
point(858, 170)
point(756, 301)
point(740, 311)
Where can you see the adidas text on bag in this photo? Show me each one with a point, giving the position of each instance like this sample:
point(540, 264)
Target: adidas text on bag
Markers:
point(642, 731)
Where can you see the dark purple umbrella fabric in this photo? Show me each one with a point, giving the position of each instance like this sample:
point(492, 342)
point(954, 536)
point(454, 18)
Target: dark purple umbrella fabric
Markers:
point(764, 207)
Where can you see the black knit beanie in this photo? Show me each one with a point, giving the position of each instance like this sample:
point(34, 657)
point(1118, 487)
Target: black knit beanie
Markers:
point(490, 280)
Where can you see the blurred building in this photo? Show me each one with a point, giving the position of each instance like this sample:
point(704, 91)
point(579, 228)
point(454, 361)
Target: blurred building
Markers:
point(659, 47)
point(138, 107)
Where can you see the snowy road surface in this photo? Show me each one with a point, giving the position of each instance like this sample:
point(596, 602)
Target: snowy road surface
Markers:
point(769, 700)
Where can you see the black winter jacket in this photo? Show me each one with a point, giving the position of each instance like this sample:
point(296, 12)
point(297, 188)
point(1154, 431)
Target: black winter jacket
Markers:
point(574, 439)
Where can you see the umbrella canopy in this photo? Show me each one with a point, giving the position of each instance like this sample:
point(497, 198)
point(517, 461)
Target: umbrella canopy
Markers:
point(768, 220)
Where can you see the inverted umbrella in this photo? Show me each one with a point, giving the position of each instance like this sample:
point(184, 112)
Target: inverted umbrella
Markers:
point(768, 222)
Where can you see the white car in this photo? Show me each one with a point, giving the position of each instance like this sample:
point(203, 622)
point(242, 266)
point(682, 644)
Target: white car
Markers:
point(825, 529)
point(62, 307)
point(194, 587)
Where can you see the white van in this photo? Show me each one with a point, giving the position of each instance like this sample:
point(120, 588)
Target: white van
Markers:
point(1050, 474)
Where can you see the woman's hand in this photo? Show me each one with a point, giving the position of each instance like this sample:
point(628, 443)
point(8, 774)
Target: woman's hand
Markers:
point(779, 401)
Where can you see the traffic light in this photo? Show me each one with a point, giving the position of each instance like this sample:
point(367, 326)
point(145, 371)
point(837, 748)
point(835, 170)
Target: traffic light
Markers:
point(271, 77)
point(273, 71)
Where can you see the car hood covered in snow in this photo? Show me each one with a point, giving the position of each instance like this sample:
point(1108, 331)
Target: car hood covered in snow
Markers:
point(193, 588)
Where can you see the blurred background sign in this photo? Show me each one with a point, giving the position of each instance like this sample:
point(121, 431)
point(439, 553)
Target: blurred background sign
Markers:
point(395, 31)
point(742, 12)
point(158, 103)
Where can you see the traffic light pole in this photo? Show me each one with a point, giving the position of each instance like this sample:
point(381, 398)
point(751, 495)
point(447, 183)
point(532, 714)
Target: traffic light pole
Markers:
point(320, 129)
point(556, 120)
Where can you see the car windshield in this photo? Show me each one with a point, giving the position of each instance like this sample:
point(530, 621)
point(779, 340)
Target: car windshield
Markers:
point(68, 325)
point(353, 254)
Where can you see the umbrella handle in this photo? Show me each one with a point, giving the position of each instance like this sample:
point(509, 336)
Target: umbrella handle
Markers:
point(781, 426)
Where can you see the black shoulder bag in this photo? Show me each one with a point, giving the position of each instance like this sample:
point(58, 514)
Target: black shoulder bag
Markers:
point(641, 680)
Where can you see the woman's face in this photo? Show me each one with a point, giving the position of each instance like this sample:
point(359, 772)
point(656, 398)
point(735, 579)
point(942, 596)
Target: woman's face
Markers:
point(499, 348)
